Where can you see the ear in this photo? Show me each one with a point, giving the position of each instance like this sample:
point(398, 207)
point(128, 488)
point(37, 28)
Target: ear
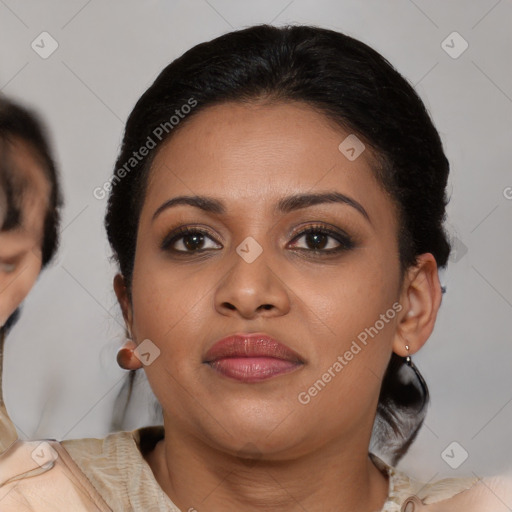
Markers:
point(124, 300)
point(420, 297)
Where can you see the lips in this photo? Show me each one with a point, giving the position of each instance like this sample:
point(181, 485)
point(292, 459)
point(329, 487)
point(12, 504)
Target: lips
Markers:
point(252, 357)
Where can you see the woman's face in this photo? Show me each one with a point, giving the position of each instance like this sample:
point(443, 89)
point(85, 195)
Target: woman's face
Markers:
point(20, 247)
point(253, 269)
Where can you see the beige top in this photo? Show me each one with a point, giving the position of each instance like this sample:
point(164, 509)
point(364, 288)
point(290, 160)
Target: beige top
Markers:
point(8, 432)
point(116, 468)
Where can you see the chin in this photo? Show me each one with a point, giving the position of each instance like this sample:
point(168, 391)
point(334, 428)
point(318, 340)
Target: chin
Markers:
point(259, 437)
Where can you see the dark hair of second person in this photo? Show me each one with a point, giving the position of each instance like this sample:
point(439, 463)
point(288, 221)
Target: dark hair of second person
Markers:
point(30, 201)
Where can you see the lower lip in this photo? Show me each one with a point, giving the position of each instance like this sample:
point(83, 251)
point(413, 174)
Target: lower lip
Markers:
point(253, 369)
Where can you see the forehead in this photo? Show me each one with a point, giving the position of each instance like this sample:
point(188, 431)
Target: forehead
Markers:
point(16, 242)
point(252, 154)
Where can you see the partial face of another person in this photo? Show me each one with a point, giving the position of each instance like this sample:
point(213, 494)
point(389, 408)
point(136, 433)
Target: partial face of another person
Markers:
point(20, 246)
point(312, 274)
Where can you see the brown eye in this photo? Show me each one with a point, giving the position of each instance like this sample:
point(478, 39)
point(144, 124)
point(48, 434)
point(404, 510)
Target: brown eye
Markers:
point(322, 240)
point(193, 241)
point(188, 240)
point(316, 240)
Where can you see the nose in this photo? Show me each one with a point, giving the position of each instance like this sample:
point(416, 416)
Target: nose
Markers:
point(252, 289)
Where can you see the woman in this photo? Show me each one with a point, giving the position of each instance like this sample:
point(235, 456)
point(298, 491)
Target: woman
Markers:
point(29, 219)
point(277, 215)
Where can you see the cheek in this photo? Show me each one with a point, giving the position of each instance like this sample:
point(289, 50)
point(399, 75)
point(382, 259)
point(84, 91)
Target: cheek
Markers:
point(351, 314)
point(353, 344)
point(172, 307)
point(169, 310)
point(349, 298)
point(16, 286)
point(28, 277)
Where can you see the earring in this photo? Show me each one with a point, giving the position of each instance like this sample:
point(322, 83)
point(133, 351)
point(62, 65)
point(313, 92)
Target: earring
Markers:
point(126, 358)
point(419, 377)
point(408, 357)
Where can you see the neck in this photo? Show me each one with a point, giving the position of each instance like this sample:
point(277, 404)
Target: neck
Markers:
point(198, 477)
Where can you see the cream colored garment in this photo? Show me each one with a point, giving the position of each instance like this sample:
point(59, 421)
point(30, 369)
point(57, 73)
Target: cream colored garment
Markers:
point(40, 476)
point(116, 477)
point(117, 469)
point(8, 432)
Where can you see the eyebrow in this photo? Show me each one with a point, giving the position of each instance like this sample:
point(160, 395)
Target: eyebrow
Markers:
point(284, 205)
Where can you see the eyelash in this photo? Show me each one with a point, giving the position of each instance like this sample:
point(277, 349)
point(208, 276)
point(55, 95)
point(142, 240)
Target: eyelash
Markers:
point(345, 242)
point(180, 233)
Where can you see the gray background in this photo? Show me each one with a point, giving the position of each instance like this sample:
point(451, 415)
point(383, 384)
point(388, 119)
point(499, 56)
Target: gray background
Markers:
point(61, 377)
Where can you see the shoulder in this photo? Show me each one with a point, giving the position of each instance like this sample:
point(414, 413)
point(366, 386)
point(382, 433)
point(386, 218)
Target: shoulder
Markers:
point(472, 494)
point(100, 452)
point(40, 475)
point(491, 494)
point(411, 495)
point(107, 462)
point(116, 467)
point(114, 453)
point(91, 474)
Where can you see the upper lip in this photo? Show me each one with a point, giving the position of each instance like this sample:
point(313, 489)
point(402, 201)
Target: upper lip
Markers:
point(250, 345)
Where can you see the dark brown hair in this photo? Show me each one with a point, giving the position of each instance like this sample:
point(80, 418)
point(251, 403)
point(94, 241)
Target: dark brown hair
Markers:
point(19, 123)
